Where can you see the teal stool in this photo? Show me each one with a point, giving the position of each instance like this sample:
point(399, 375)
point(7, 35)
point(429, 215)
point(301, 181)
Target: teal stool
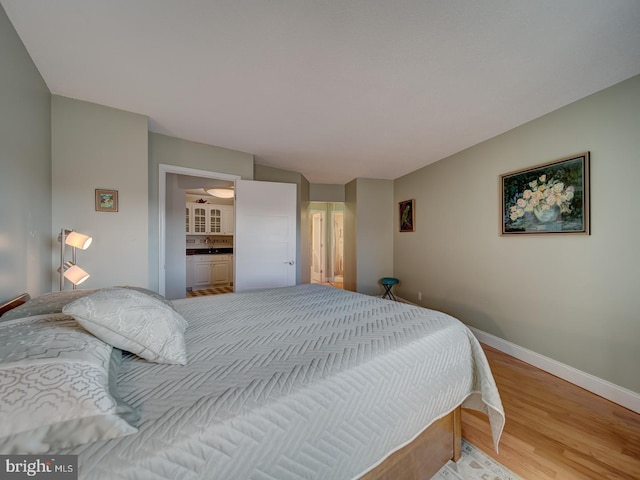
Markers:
point(388, 283)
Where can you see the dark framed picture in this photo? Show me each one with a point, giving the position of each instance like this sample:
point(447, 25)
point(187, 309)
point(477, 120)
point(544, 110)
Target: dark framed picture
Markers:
point(106, 200)
point(406, 216)
point(547, 198)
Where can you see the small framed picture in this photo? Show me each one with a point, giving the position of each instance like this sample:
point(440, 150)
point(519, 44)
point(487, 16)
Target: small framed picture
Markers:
point(106, 200)
point(406, 216)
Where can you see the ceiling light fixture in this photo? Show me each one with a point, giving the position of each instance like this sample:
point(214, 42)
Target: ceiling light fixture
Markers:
point(221, 192)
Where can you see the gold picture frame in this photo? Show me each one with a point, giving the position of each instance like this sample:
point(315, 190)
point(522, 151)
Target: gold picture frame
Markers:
point(106, 200)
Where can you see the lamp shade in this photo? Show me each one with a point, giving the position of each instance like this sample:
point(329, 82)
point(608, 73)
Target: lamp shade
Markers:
point(221, 192)
point(78, 240)
point(75, 274)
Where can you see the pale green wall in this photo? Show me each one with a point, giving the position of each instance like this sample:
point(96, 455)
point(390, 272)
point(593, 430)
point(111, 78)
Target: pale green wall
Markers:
point(25, 170)
point(303, 234)
point(368, 232)
point(304, 241)
point(175, 264)
point(350, 236)
point(325, 192)
point(98, 147)
point(184, 153)
point(572, 298)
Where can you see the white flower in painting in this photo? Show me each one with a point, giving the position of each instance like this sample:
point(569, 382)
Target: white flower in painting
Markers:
point(567, 196)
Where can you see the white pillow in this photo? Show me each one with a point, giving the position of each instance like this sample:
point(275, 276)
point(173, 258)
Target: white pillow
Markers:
point(133, 321)
point(58, 387)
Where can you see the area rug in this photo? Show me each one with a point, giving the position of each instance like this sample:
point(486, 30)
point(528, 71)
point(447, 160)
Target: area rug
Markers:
point(474, 465)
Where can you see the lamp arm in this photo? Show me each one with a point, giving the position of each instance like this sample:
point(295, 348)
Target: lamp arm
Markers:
point(63, 234)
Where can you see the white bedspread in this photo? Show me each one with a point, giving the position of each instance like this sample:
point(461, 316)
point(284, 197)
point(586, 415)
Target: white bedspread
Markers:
point(302, 382)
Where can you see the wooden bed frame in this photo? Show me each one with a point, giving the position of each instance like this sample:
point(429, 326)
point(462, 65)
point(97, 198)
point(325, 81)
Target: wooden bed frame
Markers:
point(14, 302)
point(419, 460)
point(425, 455)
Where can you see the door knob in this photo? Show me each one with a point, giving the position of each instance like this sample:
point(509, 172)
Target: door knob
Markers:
point(290, 262)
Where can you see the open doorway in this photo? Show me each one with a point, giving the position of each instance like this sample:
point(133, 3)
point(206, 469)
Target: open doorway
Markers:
point(261, 261)
point(209, 236)
point(337, 250)
point(318, 251)
point(174, 182)
point(327, 243)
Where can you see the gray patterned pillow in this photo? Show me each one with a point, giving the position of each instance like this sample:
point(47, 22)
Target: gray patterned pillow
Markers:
point(47, 303)
point(55, 302)
point(133, 321)
point(56, 384)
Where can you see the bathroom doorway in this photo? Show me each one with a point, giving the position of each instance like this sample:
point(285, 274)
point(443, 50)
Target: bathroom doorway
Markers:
point(337, 251)
point(327, 243)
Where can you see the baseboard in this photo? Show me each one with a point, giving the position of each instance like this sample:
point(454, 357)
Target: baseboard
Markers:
point(610, 391)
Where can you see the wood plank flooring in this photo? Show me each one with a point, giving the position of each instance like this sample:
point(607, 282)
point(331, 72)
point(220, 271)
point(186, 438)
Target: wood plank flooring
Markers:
point(202, 292)
point(554, 429)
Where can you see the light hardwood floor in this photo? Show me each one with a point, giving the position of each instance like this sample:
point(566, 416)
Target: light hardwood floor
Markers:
point(554, 429)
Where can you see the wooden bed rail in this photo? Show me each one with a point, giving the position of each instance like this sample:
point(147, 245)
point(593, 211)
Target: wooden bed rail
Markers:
point(14, 302)
point(425, 455)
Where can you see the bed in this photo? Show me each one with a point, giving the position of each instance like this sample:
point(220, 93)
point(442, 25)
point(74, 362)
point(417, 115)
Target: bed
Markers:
point(289, 383)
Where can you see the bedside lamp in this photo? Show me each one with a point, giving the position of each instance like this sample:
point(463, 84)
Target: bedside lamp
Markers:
point(69, 269)
point(74, 274)
point(77, 240)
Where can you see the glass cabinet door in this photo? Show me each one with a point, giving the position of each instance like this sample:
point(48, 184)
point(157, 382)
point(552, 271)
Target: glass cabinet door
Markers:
point(215, 220)
point(199, 220)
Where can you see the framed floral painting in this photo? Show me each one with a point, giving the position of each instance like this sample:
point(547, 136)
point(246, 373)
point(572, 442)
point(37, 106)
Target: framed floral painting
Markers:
point(547, 198)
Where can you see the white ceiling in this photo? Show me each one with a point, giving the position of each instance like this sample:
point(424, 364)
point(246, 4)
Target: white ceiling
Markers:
point(334, 89)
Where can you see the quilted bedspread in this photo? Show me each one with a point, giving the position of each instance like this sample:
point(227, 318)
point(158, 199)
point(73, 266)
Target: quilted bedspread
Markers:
point(299, 382)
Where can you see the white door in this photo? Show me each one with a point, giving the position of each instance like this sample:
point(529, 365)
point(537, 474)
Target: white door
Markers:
point(265, 241)
point(317, 247)
point(190, 272)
